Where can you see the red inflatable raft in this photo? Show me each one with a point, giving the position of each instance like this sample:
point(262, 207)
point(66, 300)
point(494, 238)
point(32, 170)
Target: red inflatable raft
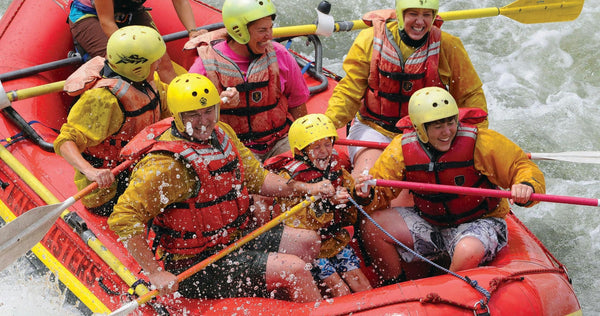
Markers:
point(524, 279)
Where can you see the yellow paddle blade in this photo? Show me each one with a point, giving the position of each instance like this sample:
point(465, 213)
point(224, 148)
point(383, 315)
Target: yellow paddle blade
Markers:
point(536, 11)
point(525, 11)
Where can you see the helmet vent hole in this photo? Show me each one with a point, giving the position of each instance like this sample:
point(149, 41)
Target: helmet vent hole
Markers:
point(435, 104)
point(260, 3)
point(206, 91)
point(194, 94)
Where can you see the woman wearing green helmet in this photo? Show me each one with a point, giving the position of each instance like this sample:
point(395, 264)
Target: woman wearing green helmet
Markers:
point(404, 51)
point(261, 80)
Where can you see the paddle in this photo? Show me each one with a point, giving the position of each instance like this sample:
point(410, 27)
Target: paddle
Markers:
point(480, 192)
point(570, 156)
point(131, 306)
point(20, 235)
point(524, 11)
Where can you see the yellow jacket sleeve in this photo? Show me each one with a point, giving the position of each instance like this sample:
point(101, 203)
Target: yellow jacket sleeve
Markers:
point(347, 95)
point(505, 164)
point(157, 180)
point(254, 173)
point(94, 117)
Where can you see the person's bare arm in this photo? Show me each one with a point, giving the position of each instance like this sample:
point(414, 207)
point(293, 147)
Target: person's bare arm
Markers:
point(106, 16)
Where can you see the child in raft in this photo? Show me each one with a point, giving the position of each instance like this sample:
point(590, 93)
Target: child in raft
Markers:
point(312, 159)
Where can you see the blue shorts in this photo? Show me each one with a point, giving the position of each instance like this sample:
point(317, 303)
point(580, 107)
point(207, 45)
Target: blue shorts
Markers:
point(432, 241)
point(344, 261)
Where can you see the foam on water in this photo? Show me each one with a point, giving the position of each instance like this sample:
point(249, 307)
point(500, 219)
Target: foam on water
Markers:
point(543, 89)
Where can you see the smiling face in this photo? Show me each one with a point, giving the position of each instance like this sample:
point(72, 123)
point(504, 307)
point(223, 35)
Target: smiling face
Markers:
point(261, 34)
point(319, 153)
point(417, 22)
point(441, 133)
point(199, 124)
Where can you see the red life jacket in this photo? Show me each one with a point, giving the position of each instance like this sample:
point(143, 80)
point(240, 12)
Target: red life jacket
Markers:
point(454, 167)
point(140, 108)
point(218, 208)
point(303, 172)
point(261, 118)
point(391, 79)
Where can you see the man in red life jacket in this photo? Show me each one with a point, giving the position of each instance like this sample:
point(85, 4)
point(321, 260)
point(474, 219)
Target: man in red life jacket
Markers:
point(440, 149)
point(192, 183)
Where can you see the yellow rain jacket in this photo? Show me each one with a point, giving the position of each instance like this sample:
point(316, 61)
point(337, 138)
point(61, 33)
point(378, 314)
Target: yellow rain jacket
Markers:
point(495, 156)
point(455, 70)
point(167, 180)
point(94, 117)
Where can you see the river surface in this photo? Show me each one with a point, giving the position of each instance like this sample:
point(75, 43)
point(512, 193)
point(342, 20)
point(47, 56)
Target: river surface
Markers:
point(542, 84)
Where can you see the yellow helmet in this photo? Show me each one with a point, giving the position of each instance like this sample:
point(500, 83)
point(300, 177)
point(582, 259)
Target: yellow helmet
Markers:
point(402, 5)
point(429, 105)
point(131, 50)
point(309, 129)
point(190, 92)
point(238, 13)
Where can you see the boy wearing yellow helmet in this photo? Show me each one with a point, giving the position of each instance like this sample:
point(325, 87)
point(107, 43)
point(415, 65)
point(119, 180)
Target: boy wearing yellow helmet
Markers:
point(320, 228)
point(440, 149)
point(404, 51)
point(261, 80)
point(118, 98)
point(192, 184)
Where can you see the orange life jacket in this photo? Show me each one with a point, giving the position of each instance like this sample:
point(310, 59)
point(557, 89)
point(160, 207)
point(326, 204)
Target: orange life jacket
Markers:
point(140, 108)
point(261, 118)
point(391, 79)
point(217, 209)
point(454, 167)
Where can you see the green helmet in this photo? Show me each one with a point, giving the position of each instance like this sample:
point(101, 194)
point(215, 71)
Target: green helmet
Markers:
point(428, 105)
point(131, 50)
point(309, 129)
point(238, 13)
point(402, 5)
point(190, 92)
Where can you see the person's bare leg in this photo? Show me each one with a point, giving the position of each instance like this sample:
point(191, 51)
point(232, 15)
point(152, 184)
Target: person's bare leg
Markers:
point(336, 285)
point(468, 253)
point(356, 280)
point(290, 273)
point(381, 248)
point(364, 160)
point(304, 243)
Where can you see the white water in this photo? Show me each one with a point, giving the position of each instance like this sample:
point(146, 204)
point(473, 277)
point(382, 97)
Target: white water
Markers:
point(543, 90)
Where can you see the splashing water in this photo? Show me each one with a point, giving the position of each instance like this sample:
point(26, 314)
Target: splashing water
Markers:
point(543, 89)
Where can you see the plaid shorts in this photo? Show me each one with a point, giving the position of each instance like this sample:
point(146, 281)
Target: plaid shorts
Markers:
point(433, 242)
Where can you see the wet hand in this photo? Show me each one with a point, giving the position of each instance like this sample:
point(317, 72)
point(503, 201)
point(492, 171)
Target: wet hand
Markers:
point(324, 188)
point(360, 187)
point(230, 97)
point(165, 282)
point(103, 177)
point(341, 197)
point(520, 193)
